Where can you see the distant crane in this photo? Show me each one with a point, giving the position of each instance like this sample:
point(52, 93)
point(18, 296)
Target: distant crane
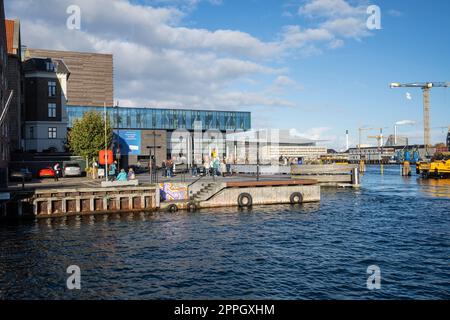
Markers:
point(361, 130)
point(379, 138)
point(426, 87)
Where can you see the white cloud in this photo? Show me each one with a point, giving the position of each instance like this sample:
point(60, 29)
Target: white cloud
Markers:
point(161, 62)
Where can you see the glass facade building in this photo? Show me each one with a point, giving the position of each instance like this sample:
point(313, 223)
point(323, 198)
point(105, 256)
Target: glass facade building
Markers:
point(167, 119)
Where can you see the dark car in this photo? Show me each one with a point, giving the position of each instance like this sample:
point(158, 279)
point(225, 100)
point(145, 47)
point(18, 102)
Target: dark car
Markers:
point(22, 174)
point(139, 169)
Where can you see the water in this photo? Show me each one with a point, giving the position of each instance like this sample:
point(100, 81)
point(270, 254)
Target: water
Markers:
point(315, 251)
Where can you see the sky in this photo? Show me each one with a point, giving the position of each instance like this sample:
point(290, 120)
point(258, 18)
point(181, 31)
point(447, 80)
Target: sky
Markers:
point(312, 66)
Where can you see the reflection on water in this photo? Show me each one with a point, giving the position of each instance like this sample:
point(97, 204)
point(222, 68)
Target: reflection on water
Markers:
point(439, 188)
point(312, 251)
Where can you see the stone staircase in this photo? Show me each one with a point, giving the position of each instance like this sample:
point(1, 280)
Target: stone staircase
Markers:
point(208, 191)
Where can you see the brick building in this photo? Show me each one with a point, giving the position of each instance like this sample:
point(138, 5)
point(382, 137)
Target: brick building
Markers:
point(15, 83)
point(55, 80)
point(4, 131)
point(91, 76)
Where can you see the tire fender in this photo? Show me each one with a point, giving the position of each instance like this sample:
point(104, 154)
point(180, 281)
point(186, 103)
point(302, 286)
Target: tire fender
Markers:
point(296, 198)
point(245, 200)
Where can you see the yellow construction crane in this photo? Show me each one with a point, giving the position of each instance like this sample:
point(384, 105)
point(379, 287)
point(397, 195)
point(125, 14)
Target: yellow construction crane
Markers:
point(379, 140)
point(361, 130)
point(426, 87)
point(380, 137)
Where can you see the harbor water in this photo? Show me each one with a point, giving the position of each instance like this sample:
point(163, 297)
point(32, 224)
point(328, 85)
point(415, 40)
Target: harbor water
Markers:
point(313, 251)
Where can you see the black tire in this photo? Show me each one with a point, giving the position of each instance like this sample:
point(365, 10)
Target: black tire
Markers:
point(173, 208)
point(245, 200)
point(296, 198)
point(191, 207)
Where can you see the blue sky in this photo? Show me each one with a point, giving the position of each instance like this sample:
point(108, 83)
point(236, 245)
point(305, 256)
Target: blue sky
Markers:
point(348, 88)
point(308, 65)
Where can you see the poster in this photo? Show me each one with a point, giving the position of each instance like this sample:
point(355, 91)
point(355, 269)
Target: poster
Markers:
point(130, 142)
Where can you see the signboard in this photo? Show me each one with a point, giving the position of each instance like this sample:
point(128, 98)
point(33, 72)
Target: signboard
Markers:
point(105, 156)
point(130, 142)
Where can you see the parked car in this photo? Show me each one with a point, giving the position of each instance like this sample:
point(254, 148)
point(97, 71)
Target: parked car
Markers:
point(139, 169)
point(20, 175)
point(72, 170)
point(46, 173)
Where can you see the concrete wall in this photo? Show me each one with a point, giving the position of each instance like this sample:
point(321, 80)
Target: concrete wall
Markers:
point(263, 195)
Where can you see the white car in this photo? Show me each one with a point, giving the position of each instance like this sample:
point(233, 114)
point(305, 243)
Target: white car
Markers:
point(72, 170)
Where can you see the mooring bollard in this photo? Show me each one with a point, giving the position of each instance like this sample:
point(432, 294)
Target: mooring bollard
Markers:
point(355, 177)
point(406, 169)
point(362, 166)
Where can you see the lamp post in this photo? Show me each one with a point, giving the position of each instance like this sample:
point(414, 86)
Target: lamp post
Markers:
point(257, 156)
point(118, 151)
point(152, 161)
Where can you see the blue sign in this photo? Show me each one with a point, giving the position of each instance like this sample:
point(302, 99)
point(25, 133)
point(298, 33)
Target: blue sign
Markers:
point(130, 142)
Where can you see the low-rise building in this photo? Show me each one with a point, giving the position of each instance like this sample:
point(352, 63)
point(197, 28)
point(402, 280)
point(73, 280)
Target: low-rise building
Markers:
point(274, 146)
point(371, 154)
point(45, 109)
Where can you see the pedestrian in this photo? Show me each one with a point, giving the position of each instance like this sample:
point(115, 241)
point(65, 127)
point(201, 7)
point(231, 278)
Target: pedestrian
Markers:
point(164, 169)
point(223, 169)
point(57, 170)
point(112, 171)
point(122, 176)
point(131, 175)
point(194, 170)
point(170, 168)
point(207, 168)
point(216, 166)
point(95, 169)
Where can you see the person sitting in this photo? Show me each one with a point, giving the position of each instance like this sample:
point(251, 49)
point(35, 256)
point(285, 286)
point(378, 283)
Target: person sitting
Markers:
point(122, 176)
point(131, 175)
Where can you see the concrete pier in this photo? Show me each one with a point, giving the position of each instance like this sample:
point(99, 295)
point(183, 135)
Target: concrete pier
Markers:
point(63, 202)
point(335, 175)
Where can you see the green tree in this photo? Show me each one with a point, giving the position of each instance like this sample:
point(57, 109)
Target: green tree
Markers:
point(87, 137)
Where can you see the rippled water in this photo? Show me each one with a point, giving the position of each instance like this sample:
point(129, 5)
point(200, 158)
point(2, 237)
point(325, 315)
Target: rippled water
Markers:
point(315, 251)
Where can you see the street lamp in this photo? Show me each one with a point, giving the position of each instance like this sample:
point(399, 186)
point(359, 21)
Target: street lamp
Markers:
point(118, 151)
point(152, 162)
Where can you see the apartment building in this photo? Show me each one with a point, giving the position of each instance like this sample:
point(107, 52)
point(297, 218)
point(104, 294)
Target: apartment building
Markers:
point(45, 108)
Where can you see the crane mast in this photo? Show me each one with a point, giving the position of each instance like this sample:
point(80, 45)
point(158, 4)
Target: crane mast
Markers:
point(426, 87)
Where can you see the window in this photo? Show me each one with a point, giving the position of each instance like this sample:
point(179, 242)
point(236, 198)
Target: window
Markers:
point(52, 133)
point(50, 66)
point(52, 110)
point(31, 132)
point(52, 89)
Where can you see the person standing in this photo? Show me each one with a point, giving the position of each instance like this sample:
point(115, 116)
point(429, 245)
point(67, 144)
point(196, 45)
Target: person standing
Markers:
point(112, 171)
point(164, 169)
point(95, 170)
point(216, 166)
point(57, 170)
point(207, 168)
point(194, 170)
